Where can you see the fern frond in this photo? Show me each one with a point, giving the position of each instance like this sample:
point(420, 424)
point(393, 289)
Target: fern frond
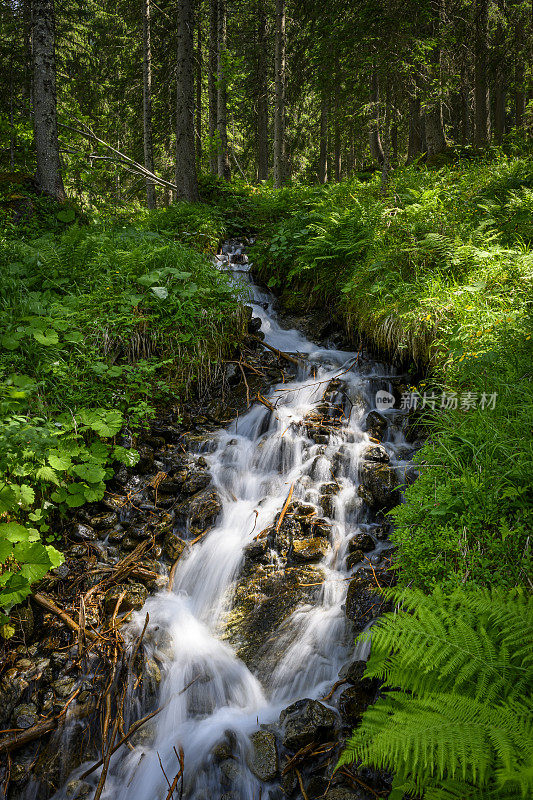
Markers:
point(456, 722)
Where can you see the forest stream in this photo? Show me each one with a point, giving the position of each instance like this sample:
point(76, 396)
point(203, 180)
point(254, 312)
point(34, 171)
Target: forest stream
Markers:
point(250, 654)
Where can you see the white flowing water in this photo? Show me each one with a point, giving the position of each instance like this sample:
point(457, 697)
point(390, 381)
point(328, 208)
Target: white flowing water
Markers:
point(206, 691)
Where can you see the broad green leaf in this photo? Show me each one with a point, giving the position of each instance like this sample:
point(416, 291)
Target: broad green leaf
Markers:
point(6, 548)
point(76, 500)
point(8, 499)
point(13, 532)
point(125, 456)
point(56, 558)
point(160, 291)
point(61, 461)
point(24, 494)
point(10, 342)
point(15, 588)
point(92, 473)
point(47, 337)
point(34, 559)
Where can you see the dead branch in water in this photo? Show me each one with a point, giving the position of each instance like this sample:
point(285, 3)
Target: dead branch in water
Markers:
point(279, 353)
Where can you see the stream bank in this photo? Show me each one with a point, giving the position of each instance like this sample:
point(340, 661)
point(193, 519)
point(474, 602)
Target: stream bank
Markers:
point(271, 528)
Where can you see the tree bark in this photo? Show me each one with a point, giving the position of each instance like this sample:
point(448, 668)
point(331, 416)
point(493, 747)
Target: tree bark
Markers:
point(414, 144)
point(434, 123)
point(337, 145)
point(198, 107)
point(224, 170)
point(212, 85)
point(48, 174)
point(519, 95)
point(186, 177)
point(279, 114)
point(262, 93)
point(481, 88)
point(323, 161)
point(500, 88)
point(376, 148)
point(147, 103)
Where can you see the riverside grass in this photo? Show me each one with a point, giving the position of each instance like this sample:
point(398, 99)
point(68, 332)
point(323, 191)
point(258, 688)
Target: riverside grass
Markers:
point(437, 275)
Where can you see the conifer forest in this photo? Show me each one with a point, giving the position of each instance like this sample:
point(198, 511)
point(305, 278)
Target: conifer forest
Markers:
point(266, 411)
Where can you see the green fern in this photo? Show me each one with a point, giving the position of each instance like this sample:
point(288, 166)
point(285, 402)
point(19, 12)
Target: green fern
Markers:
point(454, 721)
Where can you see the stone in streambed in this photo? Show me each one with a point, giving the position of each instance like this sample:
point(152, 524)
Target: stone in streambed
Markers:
point(134, 598)
point(202, 511)
point(25, 715)
point(342, 793)
point(353, 702)
point(307, 721)
point(380, 483)
point(375, 424)
point(173, 546)
point(83, 533)
point(375, 452)
point(104, 521)
point(354, 558)
point(363, 602)
point(310, 550)
point(361, 541)
point(262, 759)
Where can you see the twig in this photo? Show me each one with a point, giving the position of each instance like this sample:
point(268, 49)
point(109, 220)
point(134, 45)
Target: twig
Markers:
point(284, 509)
point(279, 353)
point(304, 793)
point(334, 689)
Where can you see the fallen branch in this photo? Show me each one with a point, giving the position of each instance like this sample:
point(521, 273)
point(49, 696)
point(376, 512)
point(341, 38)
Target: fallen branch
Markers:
point(284, 509)
point(46, 603)
point(139, 168)
point(9, 743)
point(279, 353)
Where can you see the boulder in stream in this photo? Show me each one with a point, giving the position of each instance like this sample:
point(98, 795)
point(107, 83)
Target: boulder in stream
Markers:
point(262, 759)
point(380, 482)
point(307, 721)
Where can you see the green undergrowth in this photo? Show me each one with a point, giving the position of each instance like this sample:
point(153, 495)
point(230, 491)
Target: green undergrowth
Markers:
point(101, 325)
point(436, 275)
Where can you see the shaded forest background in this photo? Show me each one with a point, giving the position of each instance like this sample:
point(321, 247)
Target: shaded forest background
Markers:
point(307, 90)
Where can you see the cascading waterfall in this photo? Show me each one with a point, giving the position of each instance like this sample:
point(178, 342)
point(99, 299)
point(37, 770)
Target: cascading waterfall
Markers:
point(206, 691)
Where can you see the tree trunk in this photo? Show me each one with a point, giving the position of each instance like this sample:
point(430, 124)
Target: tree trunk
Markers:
point(337, 145)
point(279, 114)
point(186, 178)
point(376, 148)
point(224, 170)
point(519, 95)
point(212, 85)
point(500, 88)
point(434, 123)
point(48, 174)
point(481, 89)
point(262, 93)
point(414, 144)
point(323, 162)
point(147, 103)
point(198, 108)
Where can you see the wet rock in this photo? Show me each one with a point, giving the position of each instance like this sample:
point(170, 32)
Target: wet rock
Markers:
point(128, 543)
point(310, 550)
point(289, 782)
point(381, 483)
point(231, 770)
point(202, 511)
point(256, 551)
point(195, 482)
point(104, 521)
point(25, 715)
point(83, 533)
point(352, 703)
point(117, 536)
point(327, 493)
point(12, 688)
point(375, 452)
point(78, 790)
point(355, 557)
point(363, 602)
point(262, 759)
point(375, 424)
point(146, 460)
point(353, 672)
point(173, 546)
point(151, 672)
point(284, 537)
point(134, 598)
point(361, 541)
point(365, 494)
point(63, 687)
point(307, 721)
point(263, 599)
point(341, 793)
point(320, 527)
